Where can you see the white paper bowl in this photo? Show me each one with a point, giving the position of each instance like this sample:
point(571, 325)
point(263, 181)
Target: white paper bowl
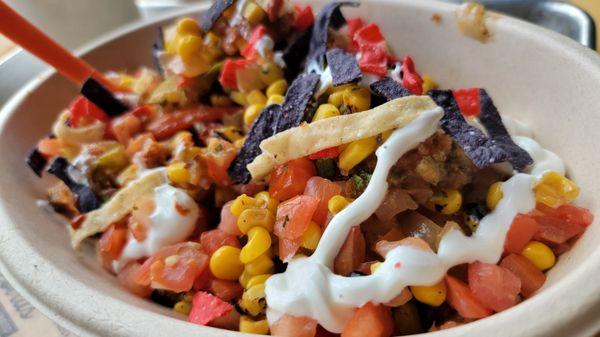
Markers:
point(538, 76)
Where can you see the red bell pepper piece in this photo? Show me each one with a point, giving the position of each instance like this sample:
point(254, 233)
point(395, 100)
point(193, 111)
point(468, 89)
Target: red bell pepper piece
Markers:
point(331, 152)
point(410, 78)
point(304, 18)
point(373, 50)
point(228, 77)
point(82, 107)
point(468, 101)
point(206, 308)
point(257, 34)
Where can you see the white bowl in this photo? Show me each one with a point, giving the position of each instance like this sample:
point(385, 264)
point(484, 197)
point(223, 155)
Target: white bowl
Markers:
point(536, 75)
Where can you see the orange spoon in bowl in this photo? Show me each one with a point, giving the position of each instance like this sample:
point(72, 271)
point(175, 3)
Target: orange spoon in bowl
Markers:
point(24, 33)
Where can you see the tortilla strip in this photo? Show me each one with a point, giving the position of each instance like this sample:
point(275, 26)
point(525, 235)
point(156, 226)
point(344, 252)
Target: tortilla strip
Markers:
point(86, 134)
point(117, 207)
point(310, 138)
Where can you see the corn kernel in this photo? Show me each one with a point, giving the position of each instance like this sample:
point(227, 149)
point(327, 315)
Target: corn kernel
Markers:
point(539, 254)
point(277, 88)
point(357, 99)
point(449, 202)
point(337, 203)
point(343, 87)
point(270, 73)
point(239, 97)
point(178, 173)
point(188, 26)
point(259, 241)
point(336, 99)
point(244, 202)
point(248, 325)
point(225, 263)
point(433, 295)
point(244, 279)
point(374, 266)
point(261, 265)
point(356, 152)
point(183, 307)
point(311, 237)
point(386, 134)
point(258, 279)
point(114, 159)
point(239, 143)
point(555, 190)
point(256, 97)
point(253, 13)
point(231, 133)
point(275, 99)
point(251, 113)
point(494, 195)
point(213, 43)
point(256, 217)
point(325, 111)
point(270, 203)
point(428, 84)
point(253, 300)
point(189, 47)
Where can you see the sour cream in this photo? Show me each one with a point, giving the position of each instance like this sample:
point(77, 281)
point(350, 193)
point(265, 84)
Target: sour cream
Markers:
point(309, 287)
point(172, 221)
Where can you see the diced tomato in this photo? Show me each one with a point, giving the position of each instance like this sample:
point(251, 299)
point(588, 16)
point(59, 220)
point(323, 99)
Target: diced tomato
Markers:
point(256, 35)
point(331, 152)
point(228, 223)
point(373, 50)
point(226, 290)
point(289, 180)
point(203, 281)
point(186, 263)
point(294, 215)
point(206, 308)
point(288, 248)
point(218, 156)
point(463, 301)
point(142, 111)
point(410, 78)
point(169, 124)
point(521, 231)
point(124, 127)
point(370, 321)
point(351, 254)
point(231, 321)
point(49, 147)
point(289, 325)
point(531, 276)
point(495, 287)
point(569, 213)
point(304, 18)
point(228, 77)
point(83, 109)
point(127, 278)
point(215, 239)
point(111, 244)
point(323, 189)
point(556, 230)
point(354, 25)
point(468, 101)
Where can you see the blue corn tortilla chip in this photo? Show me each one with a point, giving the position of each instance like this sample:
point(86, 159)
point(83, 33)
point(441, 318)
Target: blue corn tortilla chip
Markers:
point(296, 100)
point(103, 98)
point(482, 151)
point(157, 47)
point(272, 120)
point(491, 120)
point(87, 200)
point(295, 54)
point(329, 16)
point(389, 89)
point(36, 161)
point(214, 13)
point(344, 67)
point(262, 128)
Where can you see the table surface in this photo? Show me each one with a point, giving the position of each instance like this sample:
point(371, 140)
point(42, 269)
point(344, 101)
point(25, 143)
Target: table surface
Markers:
point(18, 318)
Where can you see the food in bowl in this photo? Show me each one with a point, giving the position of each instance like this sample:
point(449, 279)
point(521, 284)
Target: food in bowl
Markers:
point(285, 173)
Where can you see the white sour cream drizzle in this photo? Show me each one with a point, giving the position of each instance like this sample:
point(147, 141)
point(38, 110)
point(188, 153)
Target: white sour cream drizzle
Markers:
point(309, 288)
point(168, 225)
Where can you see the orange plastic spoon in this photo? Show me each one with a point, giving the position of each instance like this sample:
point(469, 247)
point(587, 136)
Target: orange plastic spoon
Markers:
point(25, 34)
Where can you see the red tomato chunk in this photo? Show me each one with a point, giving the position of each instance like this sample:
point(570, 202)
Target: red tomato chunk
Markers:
point(462, 300)
point(294, 326)
point(215, 239)
point(206, 308)
point(323, 189)
point(370, 321)
point(531, 277)
point(521, 231)
point(495, 287)
point(289, 180)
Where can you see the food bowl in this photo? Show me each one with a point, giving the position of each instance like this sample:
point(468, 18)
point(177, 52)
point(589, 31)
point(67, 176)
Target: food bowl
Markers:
point(537, 76)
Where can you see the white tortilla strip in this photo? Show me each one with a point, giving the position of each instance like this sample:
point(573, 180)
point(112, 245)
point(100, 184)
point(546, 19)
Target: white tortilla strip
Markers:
point(320, 135)
point(86, 134)
point(117, 207)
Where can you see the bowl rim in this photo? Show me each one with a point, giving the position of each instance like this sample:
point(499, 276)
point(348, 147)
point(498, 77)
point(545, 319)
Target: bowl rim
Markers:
point(31, 286)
